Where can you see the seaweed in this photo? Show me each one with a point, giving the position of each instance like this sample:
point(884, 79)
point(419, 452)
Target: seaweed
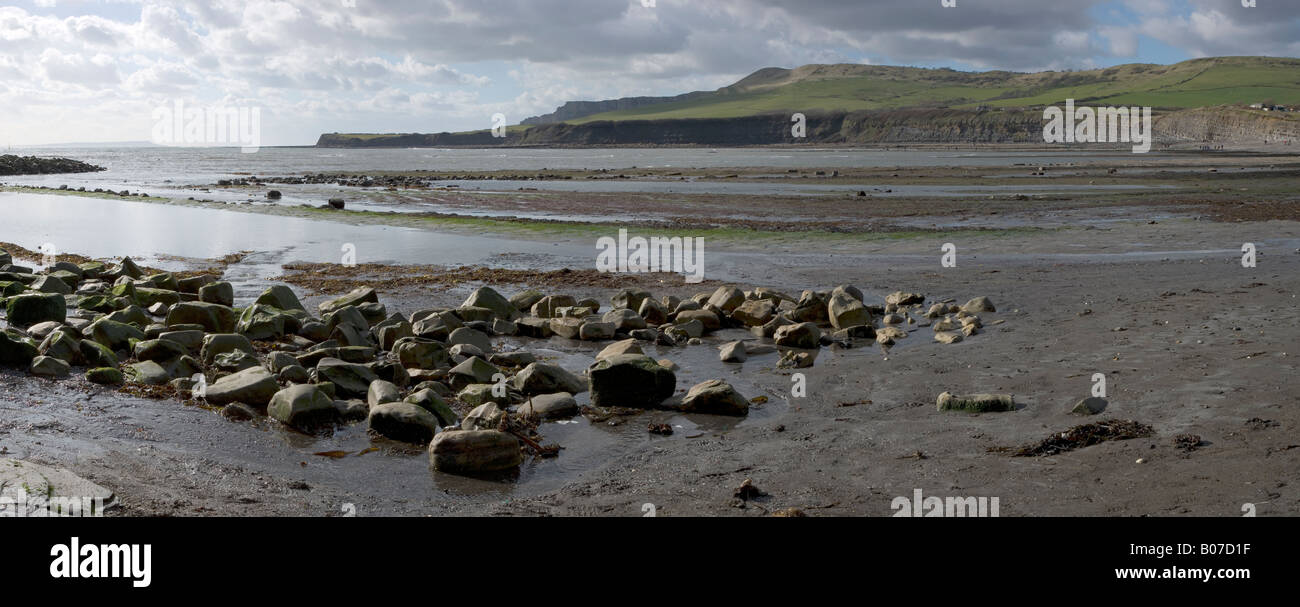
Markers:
point(1082, 436)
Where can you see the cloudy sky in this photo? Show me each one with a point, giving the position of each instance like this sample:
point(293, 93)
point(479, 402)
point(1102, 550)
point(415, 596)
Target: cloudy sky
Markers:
point(96, 70)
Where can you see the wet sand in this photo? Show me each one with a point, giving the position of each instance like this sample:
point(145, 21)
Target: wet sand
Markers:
point(1154, 296)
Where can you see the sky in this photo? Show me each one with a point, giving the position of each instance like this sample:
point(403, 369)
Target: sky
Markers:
point(104, 70)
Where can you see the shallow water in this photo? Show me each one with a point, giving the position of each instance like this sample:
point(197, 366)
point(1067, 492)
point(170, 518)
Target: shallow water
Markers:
point(155, 168)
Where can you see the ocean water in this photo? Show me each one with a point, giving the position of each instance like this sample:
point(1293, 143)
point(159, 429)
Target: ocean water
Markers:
point(156, 168)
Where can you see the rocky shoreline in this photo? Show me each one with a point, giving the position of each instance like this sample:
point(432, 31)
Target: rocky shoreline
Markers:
point(35, 165)
point(429, 377)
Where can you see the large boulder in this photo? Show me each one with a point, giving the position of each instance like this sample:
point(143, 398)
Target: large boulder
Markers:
point(716, 397)
point(403, 422)
point(420, 353)
point(474, 452)
point(429, 400)
point(473, 371)
point(727, 298)
point(260, 322)
point(48, 366)
point(546, 378)
point(221, 343)
point(381, 392)
point(550, 406)
point(465, 335)
point(63, 346)
point(630, 380)
point(214, 318)
point(486, 297)
point(221, 293)
point(351, 380)
point(755, 313)
point(28, 309)
point(846, 311)
point(254, 386)
point(115, 335)
point(303, 406)
point(804, 335)
point(280, 297)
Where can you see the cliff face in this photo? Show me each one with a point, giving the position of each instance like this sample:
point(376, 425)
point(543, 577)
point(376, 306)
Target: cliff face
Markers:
point(1228, 126)
point(896, 126)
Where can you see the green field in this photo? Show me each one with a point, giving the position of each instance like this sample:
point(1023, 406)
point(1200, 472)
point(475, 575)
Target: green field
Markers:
point(813, 88)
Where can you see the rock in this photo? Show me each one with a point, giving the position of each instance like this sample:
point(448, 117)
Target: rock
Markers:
point(539, 328)
point(48, 366)
point(148, 373)
point(946, 337)
point(105, 375)
point(63, 346)
point(796, 360)
point(811, 308)
point(221, 343)
point(512, 359)
point(115, 335)
point(95, 354)
point(754, 313)
point(624, 319)
point(303, 406)
point(504, 327)
point(351, 380)
point(715, 397)
point(238, 412)
point(1089, 406)
point(546, 378)
point(653, 312)
point(474, 452)
point(473, 371)
point(260, 322)
point(478, 394)
point(280, 297)
point(486, 416)
point(429, 400)
point(568, 328)
point(403, 422)
point(547, 307)
point(27, 309)
point(50, 284)
point(381, 392)
point(472, 314)
point(976, 403)
point(900, 298)
point(733, 352)
point(486, 297)
point(355, 297)
point(420, 353)
point(28, 489)
point(596, 331)
point(550, 406)
point(220, 293)
point(158, 350)
point(469, 336)
point(627, 346)
point(804, 335)
point(629, 380)
point(296, 374)
point(845, 311)
point(977, 305)
point(214, 318)
point(727, 299)
point(254, 386)
point(524, 301)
